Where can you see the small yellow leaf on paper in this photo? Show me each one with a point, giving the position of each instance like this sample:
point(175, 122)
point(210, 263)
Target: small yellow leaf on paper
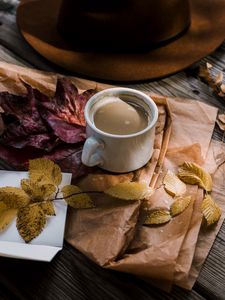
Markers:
point(14, 197)
point(221, 117)
point(208, 65)
point(3, 206)
point(210, 210)
point(221, 125)
point(192, 173)
point(222, 87)
point(48, 208)
point(130, 191)
point(42, 169)
point(173, 185)
point(179, 205)
point(36, 190)
point(156, 217)
point(6, 215)
point(219, 77)
point(30, 221)
point(76, 198)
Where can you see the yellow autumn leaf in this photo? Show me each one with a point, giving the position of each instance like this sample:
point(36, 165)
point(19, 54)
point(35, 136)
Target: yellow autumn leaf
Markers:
point(130, 191)
point(219, 78)
point(43, 170)
point(76, 198)
point(14, 197)
point(192, 173)
point(30, 221)
point(221, 125)
point(211, 211)
point(221, 118)
point(48, 208)
point(173, 185)
point(157, 217)
point(6, 215)
point(38, 191)
point(179, 205)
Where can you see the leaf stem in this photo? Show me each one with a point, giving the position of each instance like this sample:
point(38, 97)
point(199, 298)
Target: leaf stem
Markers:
point(62, 198)
point(57, 192)
point(78, 193)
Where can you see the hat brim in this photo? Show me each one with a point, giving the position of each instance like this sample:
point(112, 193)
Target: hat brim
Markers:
point(37, 21)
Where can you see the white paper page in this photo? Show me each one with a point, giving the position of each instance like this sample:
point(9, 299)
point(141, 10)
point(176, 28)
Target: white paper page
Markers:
point(27, 251)
point(53, 233)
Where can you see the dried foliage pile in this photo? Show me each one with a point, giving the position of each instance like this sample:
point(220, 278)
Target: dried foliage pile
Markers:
point(193, 174)
point(33, 202)
point(34, 125)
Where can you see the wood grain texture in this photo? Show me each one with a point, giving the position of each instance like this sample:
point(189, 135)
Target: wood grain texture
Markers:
point(71, 275)
point(211, 282)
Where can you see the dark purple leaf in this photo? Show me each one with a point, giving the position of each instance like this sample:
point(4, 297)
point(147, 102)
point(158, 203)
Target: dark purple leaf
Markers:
point(18, 158)
point(67, 132)
point(39, 126)
point(24, 111)
point(67, 157)
point(67, 104)
point(23, 123)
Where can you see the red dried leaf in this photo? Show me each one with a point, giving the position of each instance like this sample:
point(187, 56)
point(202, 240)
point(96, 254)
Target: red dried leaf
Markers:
point(65, 112)
point(68, 157)
point(65, 131)
point(18, 158)
point(38, 126)
point(67, 104)
point(23, 123)
point(69, 160)
point(38, 121)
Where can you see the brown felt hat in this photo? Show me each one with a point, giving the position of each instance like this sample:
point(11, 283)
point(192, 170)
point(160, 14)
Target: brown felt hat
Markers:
point(123, 40)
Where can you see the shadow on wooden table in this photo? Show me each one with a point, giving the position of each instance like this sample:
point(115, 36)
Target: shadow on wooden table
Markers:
point(70, 276)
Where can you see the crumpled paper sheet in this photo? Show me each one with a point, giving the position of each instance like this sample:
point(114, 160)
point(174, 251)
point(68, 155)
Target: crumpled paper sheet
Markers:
point(215, 164)
point(111, 234)
point(12, 75)
point(162, 255)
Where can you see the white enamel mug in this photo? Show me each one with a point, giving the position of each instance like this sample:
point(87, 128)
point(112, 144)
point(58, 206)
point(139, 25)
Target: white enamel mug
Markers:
point(113, 152)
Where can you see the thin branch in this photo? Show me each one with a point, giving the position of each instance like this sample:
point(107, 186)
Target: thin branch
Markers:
point(56, 194)
point(79, 193)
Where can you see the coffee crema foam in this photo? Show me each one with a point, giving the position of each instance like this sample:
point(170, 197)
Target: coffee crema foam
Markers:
point(119, 117)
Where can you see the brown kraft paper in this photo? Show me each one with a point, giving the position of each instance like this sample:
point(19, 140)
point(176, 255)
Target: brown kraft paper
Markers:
point(111, 234)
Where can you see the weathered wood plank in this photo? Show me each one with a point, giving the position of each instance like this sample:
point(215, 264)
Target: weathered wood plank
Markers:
point(11, 39)
point(9, 57)
point(211, 282)
point(72, 276)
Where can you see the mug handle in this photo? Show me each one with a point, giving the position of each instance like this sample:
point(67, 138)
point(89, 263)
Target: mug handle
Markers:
point(89, 156)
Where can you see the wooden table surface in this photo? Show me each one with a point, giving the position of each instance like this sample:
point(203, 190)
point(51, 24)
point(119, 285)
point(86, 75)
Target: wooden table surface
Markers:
point(71, 275)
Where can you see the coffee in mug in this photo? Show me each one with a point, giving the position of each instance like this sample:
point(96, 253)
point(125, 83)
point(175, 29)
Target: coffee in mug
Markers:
point(120, 117)
point(120, 130)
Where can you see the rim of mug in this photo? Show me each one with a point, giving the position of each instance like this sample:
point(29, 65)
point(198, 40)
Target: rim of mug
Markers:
point(116, 92)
